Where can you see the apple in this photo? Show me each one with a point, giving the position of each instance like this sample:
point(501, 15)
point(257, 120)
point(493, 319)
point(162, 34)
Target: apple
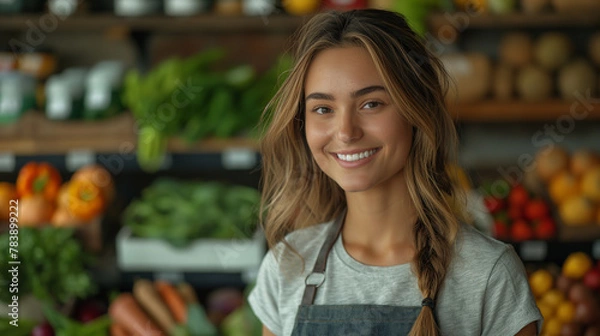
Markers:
point(521, 231)
point(500, 230)
point(502, 6)
point(545, 228)
point(43, 329)
point(592, 279)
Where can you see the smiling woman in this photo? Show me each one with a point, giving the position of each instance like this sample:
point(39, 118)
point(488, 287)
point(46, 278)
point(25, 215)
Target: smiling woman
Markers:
point(359, 207)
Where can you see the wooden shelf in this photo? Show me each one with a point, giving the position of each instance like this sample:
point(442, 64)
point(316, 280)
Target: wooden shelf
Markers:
point(457, 20)
point(34, 134)
point(515, 111)
point(203, 23)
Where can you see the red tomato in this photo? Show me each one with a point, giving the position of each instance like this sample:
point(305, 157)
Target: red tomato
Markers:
point(515, 213)
point(536, 209)
point(500, 230)
point(494, 204)
point(520, 231)
point(518, 196)
point(545, 228)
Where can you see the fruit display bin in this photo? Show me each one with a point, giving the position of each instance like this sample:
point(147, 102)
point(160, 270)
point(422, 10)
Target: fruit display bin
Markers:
point(202, 255)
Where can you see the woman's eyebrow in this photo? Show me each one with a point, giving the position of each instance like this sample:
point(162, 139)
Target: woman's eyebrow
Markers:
point(355, 94)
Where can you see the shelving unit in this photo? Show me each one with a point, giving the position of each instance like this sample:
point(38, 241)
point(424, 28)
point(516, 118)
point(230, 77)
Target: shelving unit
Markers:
point(163, 24)
point(463, 21)
point(507, 111)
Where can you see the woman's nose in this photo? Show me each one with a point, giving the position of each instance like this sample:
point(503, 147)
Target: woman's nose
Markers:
point(349, 129)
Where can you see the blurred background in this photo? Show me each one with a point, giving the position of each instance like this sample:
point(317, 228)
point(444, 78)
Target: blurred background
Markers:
point(129, 170)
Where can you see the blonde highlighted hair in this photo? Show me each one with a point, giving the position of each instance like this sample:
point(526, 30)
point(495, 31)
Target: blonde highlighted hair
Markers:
point(297, 194)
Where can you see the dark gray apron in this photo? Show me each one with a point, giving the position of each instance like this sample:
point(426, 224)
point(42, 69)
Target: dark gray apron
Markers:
point(328, 320)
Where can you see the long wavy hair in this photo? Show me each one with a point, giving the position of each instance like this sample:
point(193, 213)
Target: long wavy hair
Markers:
point(297, 194)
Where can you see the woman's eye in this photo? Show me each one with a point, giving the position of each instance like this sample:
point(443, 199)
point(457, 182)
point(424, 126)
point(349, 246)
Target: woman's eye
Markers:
point(321, 110)
point(371, 104)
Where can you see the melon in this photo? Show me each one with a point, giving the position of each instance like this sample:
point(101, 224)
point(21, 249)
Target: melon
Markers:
point(578, 76)
point(552, 50)
point(470, 74)
point(516, 49)
point(534, 6)
point(534, 84)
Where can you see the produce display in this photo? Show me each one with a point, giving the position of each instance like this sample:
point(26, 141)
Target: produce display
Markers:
point(572, 181)
point(519, 214)
point(190, 98)
point(500, 7)
point(527, 68)
point(45, 199)
point(163, 308)
point(181, 211)
point(569, 299)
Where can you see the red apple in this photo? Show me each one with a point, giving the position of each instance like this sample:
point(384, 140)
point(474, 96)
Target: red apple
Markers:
point(592, 279)
point(521, 231)
point(545, 228)
point(500, 230)
point(44, 329)
point(536, 209)
point(494, 204)
point(518, 197)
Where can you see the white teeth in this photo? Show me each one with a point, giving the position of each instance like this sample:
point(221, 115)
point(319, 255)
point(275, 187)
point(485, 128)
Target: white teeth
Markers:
point(356, 157)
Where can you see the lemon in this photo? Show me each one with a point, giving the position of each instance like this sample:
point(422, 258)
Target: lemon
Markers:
point(552, 327)
point(540, 282)
point(546, 310)
point(301, 7)
point(565, 312)
point(553, 297)
point(576, 265)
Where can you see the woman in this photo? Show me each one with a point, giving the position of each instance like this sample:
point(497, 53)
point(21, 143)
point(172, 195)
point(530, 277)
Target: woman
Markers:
point(360, 208)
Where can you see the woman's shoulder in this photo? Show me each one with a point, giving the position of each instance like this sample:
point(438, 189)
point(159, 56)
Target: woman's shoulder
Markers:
point(308, 238)
point(474, 247)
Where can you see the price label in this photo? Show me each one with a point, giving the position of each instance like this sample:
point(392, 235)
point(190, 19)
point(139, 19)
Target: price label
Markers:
point(78, 158)
point(7, 162)
point(172, 277)
point(534, 250)
point(238, 158)
point(596, 250)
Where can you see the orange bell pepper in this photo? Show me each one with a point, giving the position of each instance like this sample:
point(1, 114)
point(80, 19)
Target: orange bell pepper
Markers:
point(85, 200)
point(38, 178)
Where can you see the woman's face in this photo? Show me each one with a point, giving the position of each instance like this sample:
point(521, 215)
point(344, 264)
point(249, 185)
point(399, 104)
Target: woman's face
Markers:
point(355, 133)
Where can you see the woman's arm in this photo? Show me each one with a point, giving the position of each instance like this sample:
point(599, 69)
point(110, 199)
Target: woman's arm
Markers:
point(528, 330)
point(267, 332)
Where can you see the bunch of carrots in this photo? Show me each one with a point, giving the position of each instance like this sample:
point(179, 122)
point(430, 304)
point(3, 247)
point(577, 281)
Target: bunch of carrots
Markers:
point(159, 309)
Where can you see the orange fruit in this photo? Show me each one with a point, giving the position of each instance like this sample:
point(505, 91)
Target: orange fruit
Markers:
point(577, 211)
point(565, 312)
point(8, 193)
point(546, 310)
point(582, 160)
point(550, 162)
point(590, 184)
point(552, 327)
point(576, 265)
point(301, 7)
point(541, 281)
point(563, 186)
point(553, 297)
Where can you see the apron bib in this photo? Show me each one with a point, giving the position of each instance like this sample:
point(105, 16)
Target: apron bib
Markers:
point(329, 320)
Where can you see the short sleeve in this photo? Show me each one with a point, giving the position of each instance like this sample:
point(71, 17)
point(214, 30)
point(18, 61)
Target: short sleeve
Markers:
point(264, 297)
point(509, 305)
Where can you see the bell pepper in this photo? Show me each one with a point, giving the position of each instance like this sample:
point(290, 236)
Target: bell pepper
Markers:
point(38, 178)
point(85, 200)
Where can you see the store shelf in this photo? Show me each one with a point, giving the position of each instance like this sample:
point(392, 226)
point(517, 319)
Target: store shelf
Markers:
point(535, 251)
point(163, 24)
point(462, 20)
point(517, 111)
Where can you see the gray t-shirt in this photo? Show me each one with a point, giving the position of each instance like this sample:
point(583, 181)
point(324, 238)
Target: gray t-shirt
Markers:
point(485, 292)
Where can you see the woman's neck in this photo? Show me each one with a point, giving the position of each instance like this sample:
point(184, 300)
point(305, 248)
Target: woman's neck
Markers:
point(379, 225)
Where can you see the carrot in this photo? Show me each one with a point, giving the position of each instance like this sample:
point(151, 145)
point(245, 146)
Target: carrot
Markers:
point(187, 292)
point(125, 310)
point(174, 301)
point(118, 330)
point(148, 297)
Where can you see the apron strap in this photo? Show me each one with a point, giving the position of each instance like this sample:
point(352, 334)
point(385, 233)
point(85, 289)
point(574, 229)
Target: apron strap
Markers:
point(317, 276)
